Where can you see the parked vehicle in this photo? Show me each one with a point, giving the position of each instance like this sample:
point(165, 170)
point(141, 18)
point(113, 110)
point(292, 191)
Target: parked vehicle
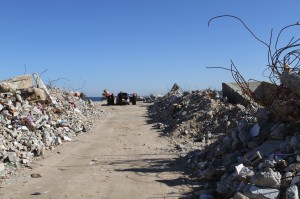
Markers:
point(122, 99)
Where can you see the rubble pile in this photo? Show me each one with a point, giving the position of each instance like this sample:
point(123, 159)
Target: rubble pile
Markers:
point(34, 119)
point(252, 155)
point(200, 115)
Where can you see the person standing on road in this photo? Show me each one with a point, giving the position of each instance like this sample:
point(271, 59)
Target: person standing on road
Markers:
point(112, 99)
point(134, 98)
point(106, 94)
point(120, 98)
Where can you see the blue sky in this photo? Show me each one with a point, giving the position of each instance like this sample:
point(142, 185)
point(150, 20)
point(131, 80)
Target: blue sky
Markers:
point(142, 46)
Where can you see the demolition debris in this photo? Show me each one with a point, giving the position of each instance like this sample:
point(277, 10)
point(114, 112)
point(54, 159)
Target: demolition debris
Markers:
point(242, 151)
point(254, 133)
point(35, 118)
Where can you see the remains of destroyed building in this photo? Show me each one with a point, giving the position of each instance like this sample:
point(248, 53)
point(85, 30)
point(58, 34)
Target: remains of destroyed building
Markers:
point(246, 142)
point(35, 118)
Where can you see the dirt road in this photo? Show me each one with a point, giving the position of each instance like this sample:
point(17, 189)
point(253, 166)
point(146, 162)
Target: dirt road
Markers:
point(122, 157)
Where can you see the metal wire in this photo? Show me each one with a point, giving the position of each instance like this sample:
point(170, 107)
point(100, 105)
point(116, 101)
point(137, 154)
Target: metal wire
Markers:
point(280, 59)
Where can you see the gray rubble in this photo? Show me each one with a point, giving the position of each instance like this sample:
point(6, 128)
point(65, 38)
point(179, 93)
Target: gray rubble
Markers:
point(34, 118)
point(246, 151)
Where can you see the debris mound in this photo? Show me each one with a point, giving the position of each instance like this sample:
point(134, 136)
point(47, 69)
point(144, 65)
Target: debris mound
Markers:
point(246, 152)
point(202, 116)
point(35, 118)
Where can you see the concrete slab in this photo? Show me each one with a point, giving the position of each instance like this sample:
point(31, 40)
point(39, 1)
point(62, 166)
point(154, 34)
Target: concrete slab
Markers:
point(261, 90)
point(17, 83)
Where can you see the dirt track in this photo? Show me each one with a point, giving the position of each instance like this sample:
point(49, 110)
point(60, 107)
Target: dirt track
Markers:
point(122, 157)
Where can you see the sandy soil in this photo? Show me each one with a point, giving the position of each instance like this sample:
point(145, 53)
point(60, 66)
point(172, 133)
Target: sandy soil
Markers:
point(122, 157)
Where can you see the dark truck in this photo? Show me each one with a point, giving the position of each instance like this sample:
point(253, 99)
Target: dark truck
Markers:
point(122, 99)
point(126, 99)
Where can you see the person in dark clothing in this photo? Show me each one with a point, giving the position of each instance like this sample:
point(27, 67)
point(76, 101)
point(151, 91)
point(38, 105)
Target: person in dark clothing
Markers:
point(120, 98)
point(106, 94)
point(112, 99)
point(134, 98)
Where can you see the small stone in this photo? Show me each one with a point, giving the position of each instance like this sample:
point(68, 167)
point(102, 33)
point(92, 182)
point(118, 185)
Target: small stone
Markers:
point(24, 128)
point(254, 131)
point(36, 193)
point(186, 132)
point(19, 98)
point(241, 107)
point(36, 175)
point(209, 115)
point(24, 161)
point(58, 141)
point(12, 157)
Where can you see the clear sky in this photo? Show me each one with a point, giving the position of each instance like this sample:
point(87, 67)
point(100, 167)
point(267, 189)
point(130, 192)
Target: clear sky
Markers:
point(142, 46)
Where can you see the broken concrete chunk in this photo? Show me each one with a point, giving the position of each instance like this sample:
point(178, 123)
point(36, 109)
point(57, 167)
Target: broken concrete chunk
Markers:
point(66, 138)
point(58, 141)
point(256, 192)
point(19, 98)
point(242, 171)
point(6, 86)
point(267, 179)
point(234, 94)
point(292, 192)
point(24, 161)
point(47, 137)
point(292, 81)
point(12, 157)
point(254, 131)
point(269, 147)
point(36, 94)
point(17, 83)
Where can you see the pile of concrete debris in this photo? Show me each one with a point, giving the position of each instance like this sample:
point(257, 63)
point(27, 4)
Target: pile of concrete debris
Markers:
point(250, 153)
point(35, 118)
point(201, 116)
